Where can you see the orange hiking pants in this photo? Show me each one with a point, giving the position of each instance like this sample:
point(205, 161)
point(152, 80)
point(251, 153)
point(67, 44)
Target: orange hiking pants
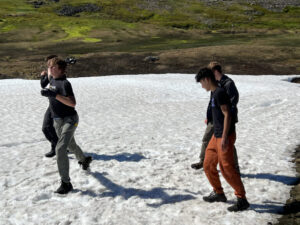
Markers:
point(214, 155)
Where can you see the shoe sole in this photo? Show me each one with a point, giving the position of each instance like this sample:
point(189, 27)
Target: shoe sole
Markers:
point(242, 209)
point(215, 201)
point(63, 193)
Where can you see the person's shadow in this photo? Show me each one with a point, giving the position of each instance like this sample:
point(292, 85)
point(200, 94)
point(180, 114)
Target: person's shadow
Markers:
point(277, 207)
point(279, 178)
point(274, 207)
point(268, 207)
point(122, 157)
point(115, 190)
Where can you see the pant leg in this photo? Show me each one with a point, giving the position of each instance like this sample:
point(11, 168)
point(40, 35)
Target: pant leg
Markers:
point(48, 128)
point(65, 129)
point(206, 138)
point(73, 147)
point(236, 160)
point(210, 165)
point(227, 166)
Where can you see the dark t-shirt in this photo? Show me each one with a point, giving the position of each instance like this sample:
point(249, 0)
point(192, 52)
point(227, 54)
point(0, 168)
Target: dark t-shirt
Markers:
point(220, 97)
point(63, 87)
point(230, 88)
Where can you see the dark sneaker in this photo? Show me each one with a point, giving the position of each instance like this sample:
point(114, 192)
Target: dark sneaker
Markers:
point(86, 162)
point(240, 205)
point(64, 188)
point(214, 197)
point(198, 165)
point(50, 154)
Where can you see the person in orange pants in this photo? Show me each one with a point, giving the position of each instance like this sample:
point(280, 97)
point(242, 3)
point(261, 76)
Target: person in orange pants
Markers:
point(221, 146)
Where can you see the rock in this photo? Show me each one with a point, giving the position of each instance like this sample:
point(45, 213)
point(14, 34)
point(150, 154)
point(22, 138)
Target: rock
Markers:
point(151, 58)
point(69, 10)
point(70, 60)
point(38, 4)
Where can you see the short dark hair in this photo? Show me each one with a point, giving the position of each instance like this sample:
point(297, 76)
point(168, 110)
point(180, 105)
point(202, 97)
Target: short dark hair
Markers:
point(59, 62)
point(50, 57)
point(205, 73)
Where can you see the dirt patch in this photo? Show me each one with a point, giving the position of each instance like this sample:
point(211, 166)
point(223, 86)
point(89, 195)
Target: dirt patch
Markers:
point(296, 80)
point(292, 207)
point(236, 60)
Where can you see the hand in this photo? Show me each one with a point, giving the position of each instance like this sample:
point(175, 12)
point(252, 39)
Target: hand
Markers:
point(224, 144)
point(43, 73)
point(48, 93)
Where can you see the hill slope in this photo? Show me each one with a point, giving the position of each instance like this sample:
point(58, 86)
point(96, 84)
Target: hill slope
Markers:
point(114, 37)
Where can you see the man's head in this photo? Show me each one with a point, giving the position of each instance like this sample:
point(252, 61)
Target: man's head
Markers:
point(57, 67)
point(216, 68)
point(207, 79)
point(50, 57)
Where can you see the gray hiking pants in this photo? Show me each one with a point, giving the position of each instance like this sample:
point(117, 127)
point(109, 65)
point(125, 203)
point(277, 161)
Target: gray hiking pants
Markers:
point(65, 129)
point(209, 131)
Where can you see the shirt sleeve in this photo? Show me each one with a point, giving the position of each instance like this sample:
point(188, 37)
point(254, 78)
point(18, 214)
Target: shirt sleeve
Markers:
point(68, 89)
point(44, 81)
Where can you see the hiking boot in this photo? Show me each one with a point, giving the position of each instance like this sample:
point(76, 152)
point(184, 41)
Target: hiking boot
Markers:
point(214, 197)
point(198, 165)
point(51, 153)
point(86, 162)
point(64, 188)
point(240, 205)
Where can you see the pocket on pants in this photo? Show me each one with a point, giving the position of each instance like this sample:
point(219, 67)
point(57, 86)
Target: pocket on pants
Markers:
point(73, 120)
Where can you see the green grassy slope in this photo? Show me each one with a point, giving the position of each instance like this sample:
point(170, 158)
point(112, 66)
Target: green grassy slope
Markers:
point(140, 26)
point(119, 15)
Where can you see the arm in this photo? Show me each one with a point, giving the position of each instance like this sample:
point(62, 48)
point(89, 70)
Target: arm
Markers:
point(227, 121)
point(69, 101)
point(44, 79)
point(209, 111)
point(68, 97)
point(49, 74)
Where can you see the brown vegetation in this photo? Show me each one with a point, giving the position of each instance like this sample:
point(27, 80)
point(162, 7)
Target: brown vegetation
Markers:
point(237, 59)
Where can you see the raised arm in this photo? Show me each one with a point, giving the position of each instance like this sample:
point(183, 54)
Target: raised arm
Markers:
point(44, 79)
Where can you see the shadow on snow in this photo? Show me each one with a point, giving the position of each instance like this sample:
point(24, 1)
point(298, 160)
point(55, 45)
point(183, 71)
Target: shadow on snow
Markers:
point(155, 193)
point(123, 157)
point(279, 178)
point(268, 207)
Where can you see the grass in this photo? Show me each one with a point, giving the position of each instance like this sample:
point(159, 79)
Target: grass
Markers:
point(140, 26)
point(120, 14)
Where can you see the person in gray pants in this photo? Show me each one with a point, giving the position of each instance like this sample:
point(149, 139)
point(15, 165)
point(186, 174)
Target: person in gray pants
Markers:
point(230, 88)
point(62, 105)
